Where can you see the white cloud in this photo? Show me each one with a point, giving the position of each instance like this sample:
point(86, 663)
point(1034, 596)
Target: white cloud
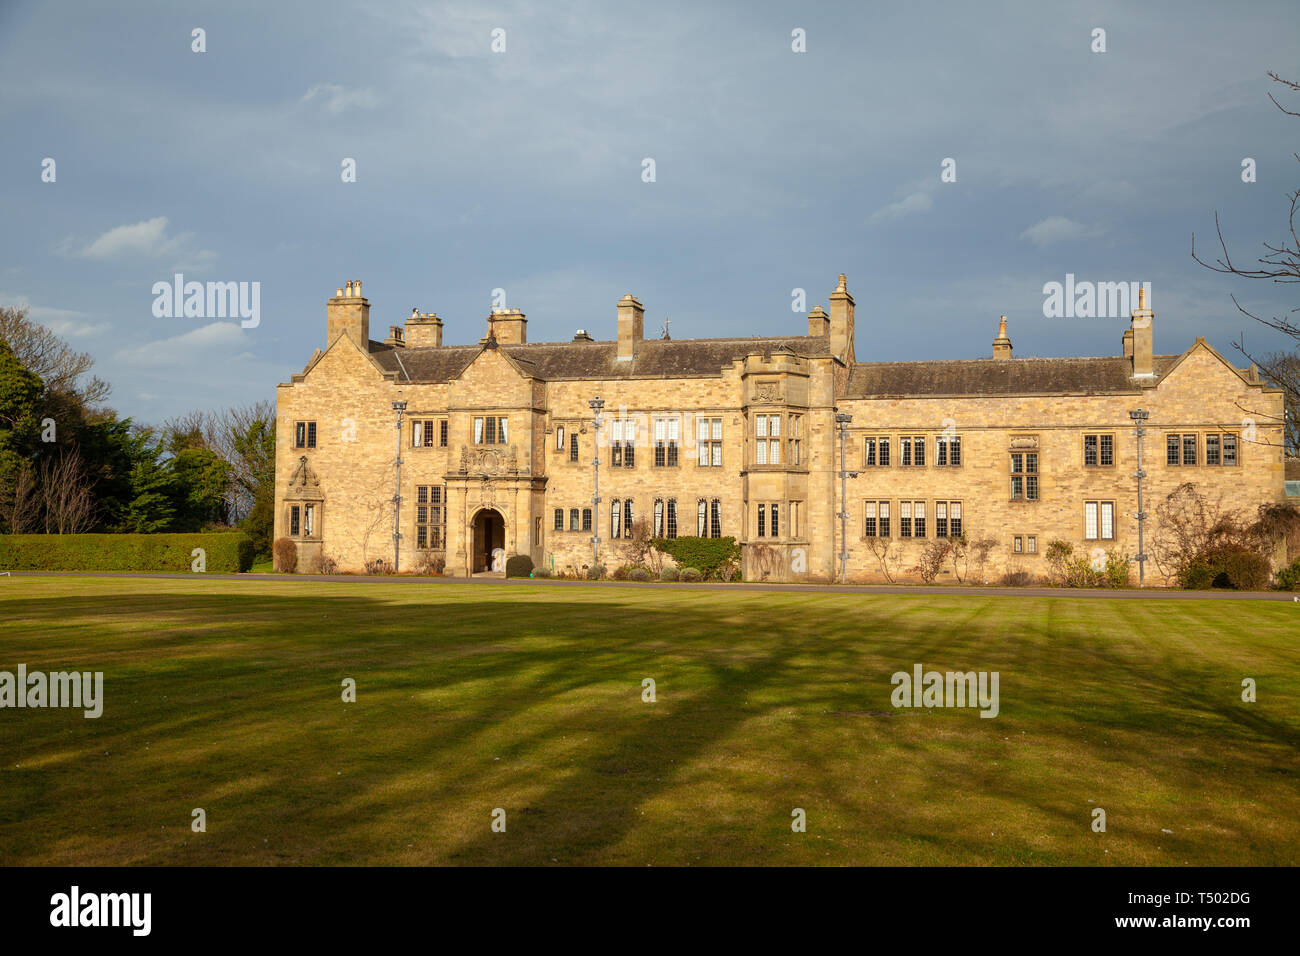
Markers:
point(69, 323)
point(147, 239)
point(339, 98)
point(1058, 229)
point(75, 329)
point(219, 339)
point(916, 202)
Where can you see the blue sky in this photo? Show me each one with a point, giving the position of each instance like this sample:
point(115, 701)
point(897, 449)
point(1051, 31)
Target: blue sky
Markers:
point(522, 170)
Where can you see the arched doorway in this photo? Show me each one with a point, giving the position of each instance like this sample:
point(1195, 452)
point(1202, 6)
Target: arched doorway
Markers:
point(489, 534)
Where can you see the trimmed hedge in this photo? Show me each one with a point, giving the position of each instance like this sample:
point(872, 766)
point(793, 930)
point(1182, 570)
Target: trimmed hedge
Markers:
point(225, 552)
point(519, 566)
point(1229, 566)
point(706, 554)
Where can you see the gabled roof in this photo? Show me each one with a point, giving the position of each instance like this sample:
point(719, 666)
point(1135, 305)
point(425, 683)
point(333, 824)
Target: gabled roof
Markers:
point(990, 376)
point(580, 360)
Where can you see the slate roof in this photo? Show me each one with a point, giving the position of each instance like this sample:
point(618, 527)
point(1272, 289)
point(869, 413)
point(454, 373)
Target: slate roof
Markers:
point(989, 376)
point(704, 358)
point(654, 358)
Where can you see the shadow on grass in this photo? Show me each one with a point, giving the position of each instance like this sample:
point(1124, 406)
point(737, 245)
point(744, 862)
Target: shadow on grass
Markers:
point(472, 700)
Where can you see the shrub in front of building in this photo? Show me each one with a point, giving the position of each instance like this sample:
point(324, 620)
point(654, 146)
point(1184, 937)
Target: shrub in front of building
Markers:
point(223, 552)
point(519, 566)
point(710, 556)
point(638, 574)
point(284, 555)
point(1227, 566)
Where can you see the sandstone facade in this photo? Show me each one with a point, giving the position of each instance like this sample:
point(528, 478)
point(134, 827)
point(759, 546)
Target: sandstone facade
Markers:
point(497, 442)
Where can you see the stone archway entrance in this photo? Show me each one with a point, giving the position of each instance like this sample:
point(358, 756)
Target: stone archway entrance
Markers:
point(489, 534)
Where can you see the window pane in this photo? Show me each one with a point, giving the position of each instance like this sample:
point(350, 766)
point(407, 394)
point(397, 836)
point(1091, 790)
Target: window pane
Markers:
point(478, 431)
point(775, 426)
point(1108, 519)
point(1090, 520)
point(717, 454)
point(717, 429)
point(1211, 449)
point(760, 424)
point(1171, 450)
point(1189, 449)
point(1229, 449)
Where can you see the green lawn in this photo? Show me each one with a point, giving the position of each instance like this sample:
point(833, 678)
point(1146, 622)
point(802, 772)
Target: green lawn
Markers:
point(225, 695)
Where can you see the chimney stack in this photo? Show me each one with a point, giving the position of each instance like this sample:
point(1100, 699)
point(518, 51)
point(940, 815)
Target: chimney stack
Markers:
point(1142, 337)
point(819, 323)
point(841, 322)
point(348, 313)
point(423, 330)
point(508, 326)
point(1002, 344)
point(631, 326)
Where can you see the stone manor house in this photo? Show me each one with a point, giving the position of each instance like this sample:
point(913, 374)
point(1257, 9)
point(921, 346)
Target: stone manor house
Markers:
point(738, 437)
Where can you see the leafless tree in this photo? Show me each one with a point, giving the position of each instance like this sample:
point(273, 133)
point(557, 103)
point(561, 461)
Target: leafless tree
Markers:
point(20, 505)
point(1280, 263)
point(67, 504)
point(886, 555)
point(981, 548)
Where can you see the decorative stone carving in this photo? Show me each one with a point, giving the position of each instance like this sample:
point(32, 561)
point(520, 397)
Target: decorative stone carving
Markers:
point(767, 393)
point(304, 485)
point(488, 461)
